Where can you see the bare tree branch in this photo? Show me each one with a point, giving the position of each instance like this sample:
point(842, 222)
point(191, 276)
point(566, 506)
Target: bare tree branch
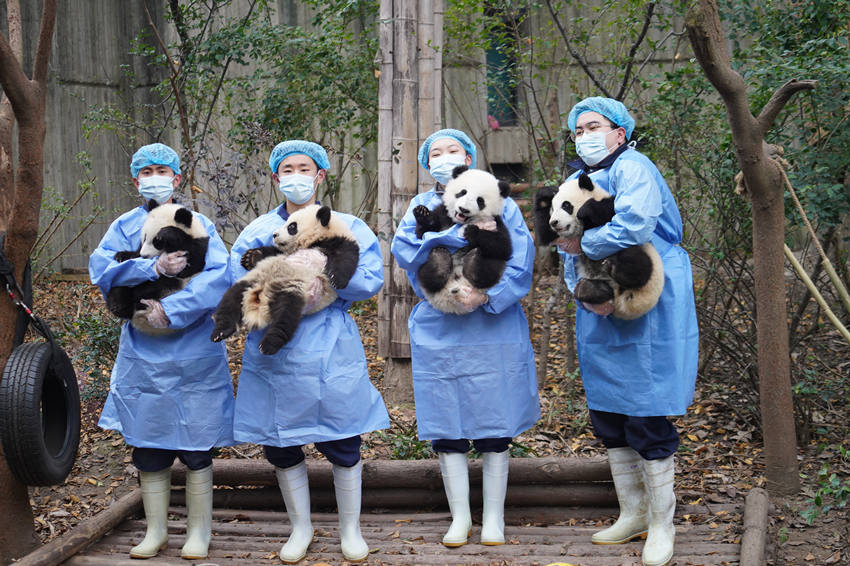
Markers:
point(14, 82)
point(777, 102)
point(45, 40)
point(575, 55)
point(650, 8)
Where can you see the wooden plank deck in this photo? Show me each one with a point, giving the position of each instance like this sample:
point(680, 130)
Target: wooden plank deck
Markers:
point(707, 535)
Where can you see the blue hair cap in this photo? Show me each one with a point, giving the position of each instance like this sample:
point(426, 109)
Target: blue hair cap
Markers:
point(154, 154)
point(461, 137)
point(612, 109)
point(299, 147)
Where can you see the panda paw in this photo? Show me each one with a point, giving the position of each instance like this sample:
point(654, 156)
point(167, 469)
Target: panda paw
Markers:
point(221, 332)
point(271, 344)
point(251, 258)
point(422, 214)
point(124, 256)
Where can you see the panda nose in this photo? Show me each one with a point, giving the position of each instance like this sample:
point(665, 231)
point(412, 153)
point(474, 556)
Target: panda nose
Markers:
point(553, 223)
point(464, 211)
point(274, 235)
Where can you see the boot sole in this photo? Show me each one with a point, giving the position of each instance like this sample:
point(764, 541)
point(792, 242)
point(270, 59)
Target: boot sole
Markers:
point(459, 543)
point(621, 541)
point(492, 543)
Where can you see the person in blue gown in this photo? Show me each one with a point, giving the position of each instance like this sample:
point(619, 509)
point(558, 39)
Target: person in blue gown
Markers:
point(635, 372)
point(171, 394)
point(473, 374)
point(316, 388)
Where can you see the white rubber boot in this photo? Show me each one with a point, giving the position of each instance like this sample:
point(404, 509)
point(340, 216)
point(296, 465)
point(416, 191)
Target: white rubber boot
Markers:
point(199, 498)
point(156, 493)
point(347, 486)
point(295, 490)
point(658, 477)
point(455, 474)
point(494, 484)
point(633, 522)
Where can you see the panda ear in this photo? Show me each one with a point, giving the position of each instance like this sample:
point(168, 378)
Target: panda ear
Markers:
point(152, 204)
point(584, 182)
point(504, 189)
point(458, 170)
point(183, 216)
point(324, 215)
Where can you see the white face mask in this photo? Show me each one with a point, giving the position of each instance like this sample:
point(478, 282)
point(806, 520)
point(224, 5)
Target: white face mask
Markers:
point(156, 187)
point(297, 188)
point(441, 167)
point(592, 148)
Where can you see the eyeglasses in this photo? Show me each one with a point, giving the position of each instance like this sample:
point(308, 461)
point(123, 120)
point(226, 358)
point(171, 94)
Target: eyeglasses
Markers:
point(589, 128)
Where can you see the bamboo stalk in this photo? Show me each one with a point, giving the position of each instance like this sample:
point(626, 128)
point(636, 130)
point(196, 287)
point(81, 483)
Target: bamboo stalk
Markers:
point(815, 293)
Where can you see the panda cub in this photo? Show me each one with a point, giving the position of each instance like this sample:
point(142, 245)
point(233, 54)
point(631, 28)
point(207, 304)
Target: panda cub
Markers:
point(632, 278)
point(475, 199)
point(168, 228)
point(273, 293)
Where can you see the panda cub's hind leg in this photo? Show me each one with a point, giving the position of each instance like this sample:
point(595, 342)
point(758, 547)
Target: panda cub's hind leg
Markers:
point(593, 291)
point(435, 272)
point(228, 315)
point(630, 268)
point(285, 314)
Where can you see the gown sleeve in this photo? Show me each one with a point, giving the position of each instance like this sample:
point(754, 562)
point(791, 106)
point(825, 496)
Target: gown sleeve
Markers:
point(369, 276)
point(516, 281)
point(203, 291)
point(637, 206)
point(106, 272)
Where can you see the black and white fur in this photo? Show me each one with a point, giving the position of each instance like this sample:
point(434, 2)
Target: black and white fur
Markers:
point(633, 277)
point(472, 197)
point(168, 228)
point(274, 291)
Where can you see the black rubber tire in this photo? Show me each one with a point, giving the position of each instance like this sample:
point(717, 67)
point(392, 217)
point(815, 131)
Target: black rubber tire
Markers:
point(39, 413)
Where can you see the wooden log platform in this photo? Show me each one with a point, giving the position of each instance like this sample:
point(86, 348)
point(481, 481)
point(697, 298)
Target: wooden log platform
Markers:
point(403, 521)
point(255, 536)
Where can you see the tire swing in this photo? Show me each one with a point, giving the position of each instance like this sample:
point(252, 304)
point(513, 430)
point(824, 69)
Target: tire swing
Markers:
point(39, 400)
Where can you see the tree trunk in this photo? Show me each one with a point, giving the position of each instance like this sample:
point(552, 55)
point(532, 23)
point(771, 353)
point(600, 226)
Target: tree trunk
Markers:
point(21, 200)
point(764, 183)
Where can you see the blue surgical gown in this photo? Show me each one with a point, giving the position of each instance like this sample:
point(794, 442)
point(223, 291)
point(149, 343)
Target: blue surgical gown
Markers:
point(647, 366)
point(473, 375)
point(316, 388)
point(172, 391)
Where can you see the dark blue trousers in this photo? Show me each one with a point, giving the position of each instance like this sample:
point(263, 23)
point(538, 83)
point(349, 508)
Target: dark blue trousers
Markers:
point(156, 459)
point(461, 445)
point(654, 438)
point(344, 452)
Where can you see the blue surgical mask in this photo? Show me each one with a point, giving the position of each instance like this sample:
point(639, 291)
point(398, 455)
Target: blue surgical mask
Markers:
point(592, 147)
point(441, 167)
point(156, 187)
point(297, 188)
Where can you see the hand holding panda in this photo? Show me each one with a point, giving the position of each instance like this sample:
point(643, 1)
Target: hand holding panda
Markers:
point(626, 284)
point(456, 283)
point(313, 254)
point(179, 241)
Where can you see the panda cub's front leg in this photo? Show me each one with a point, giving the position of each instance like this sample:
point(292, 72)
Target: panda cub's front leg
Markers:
point(252, 257)
point(285, 309)
point(228, 315)
point(428, 220)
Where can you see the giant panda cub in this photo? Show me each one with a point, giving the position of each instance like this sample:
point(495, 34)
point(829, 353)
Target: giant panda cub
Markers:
point(475, 199)
point(168, 228)
point(632, 278)
point(273, 293)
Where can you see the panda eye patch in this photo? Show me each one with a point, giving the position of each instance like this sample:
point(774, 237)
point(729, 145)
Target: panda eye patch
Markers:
point(481, 203)
point(292, 229)
point(567, 207)
point(460, 194)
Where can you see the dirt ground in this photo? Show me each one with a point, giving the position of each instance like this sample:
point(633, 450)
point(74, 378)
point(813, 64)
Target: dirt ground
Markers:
point(720, 458)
